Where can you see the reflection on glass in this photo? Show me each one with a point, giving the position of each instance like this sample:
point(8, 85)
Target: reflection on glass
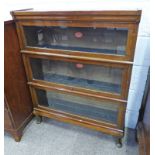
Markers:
point(91, 108)
point(88, 39)
point(96, 77)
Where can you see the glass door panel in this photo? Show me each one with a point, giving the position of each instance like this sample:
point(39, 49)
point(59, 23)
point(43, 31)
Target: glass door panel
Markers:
point(85, 39)
point(88, 76)
point(82, 106)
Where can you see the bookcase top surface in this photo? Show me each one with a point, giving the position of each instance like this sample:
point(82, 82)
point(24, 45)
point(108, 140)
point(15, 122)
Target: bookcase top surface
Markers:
point(132, 16)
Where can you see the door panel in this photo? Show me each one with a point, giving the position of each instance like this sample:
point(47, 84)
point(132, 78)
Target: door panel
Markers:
point(91, 108)
point(84, 39)
point(108, 79)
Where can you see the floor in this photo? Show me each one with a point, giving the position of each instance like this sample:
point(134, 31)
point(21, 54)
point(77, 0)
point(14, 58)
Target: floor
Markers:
point(56, 138)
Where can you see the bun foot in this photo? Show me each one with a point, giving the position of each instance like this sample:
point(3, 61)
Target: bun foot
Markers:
point(118, 142)
point(38, 119)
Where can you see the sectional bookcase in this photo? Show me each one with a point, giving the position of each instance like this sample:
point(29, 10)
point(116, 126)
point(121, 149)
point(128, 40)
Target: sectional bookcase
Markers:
point(78, 65)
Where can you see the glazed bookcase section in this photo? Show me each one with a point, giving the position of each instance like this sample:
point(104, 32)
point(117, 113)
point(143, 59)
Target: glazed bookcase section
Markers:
point(90, 108)
point(99, 78)
point(105, 41)
point(111, 41)
point(100, 34)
